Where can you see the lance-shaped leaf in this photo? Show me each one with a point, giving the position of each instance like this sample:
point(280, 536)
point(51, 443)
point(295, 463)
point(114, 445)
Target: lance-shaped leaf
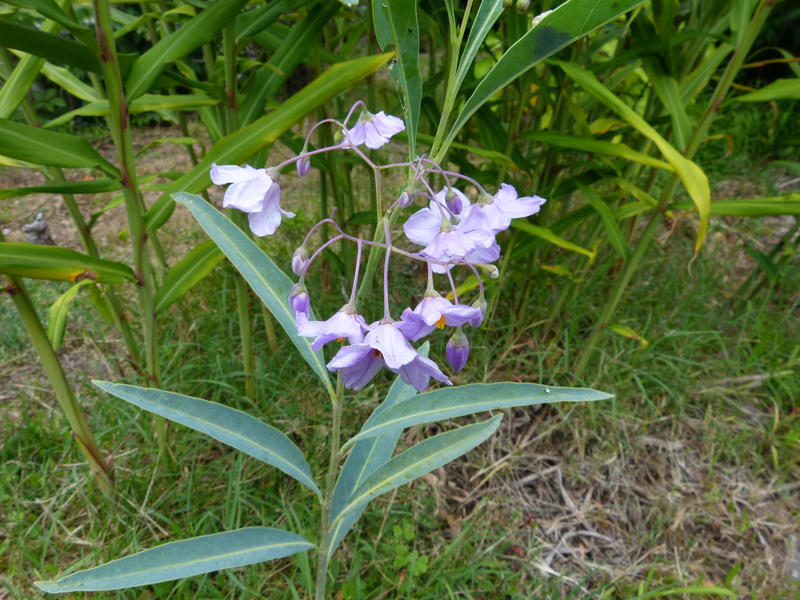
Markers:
point(548, 235)
point(364, 458)
point(95, 186)
point(192, 34)
point(613, 232)
point(241, 145)
point(567, 23)
point(751, 207)
point(228, 425)
point(187, 272)
point(59, 264)
point(780, 89)
point(49, 46)
point(396, 25)
point(185, 558)
point(50, 10)
point(57, 315)
point(32, 144)
point(266, 279)
point(487, 14)
point(417, 461)
point(254, 21)
point(449, 403)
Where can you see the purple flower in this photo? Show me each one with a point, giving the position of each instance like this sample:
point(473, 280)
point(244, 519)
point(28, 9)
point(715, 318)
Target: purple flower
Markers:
point(345, 324)
point(457, 351)
point(375, 130)
point(493, 214)
point(425, 224)
point(432, 312)
point(254, 192)
point(303, 166)
point(385, 345)
point(298, 300)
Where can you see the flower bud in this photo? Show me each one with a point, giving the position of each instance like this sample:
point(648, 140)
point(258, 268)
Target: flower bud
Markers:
point(338, 137)
point(492, 271)
point(299, 260)
point(303, 166)
point(538, 18)
point(405, 200)
point(479, 303)
point(298, 300)
point(453, 201)
point(457, 351)
point(522, 6)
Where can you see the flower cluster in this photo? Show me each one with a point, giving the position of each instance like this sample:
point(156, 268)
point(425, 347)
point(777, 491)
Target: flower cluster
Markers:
point(451, 231)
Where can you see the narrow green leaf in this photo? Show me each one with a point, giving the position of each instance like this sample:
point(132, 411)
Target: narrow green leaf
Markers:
point(266, 279)
point(187, 272)
point(192, 34)
point(568, 22)
point(176, 560)
point(59, 264)
point(751, 207)
point(228, 425)
point(49, 46)
point(545, 234)
point(396, 26)
point(252, 22)
point(19, 82)
point(448, 403)
point(485, 18)
point(50, 10)
point(57, 315)
point(418, 460)
point(613, 232)
point(50, 148)
point(241, 145)
point(780, 89)
point(666, 88)
point(65, 79)
point(692, 176)
point(95, 186)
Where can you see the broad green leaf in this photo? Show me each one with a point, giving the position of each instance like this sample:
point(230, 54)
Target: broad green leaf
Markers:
point(266, 279)
point(364, 458)
point(613, 232)
point(50, 10)
point(751, 207)
point(780, 89)
point(187, 272)
point(59, 264)
point(49, 46)
point(146, 103)
point(568, 22)
point(396, 26)
point(57, 315)
point(228, 425)
point(692, 176)
point(50, 148)
point(241, 145)
point(95, 186)
point(448, 403)
point(547, 235)
point(418, 460)
point(591, 146)
point(176, 560)
point(191, 35)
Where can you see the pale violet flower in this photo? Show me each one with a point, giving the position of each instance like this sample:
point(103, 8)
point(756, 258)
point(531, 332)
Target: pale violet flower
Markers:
point(457, 351)
point(425, 224)
point(433, 312)
point(375, 130)
point(345, 324)
point(299, 301)
point(252, 191)
point(493, 214)
point(384, 345)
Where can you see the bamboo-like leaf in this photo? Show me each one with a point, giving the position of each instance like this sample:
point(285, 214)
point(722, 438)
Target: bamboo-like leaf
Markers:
point(252, 22)
point(448, 403)
point(364, 458)
point(59, 264)
point(751, 207)
point(146, 103)
point(65, 79)
point(241, 145)
point(692, 176)
point(57, 315)
point(396, 26)
point(266, 279)
point(192, 34)
point(27, 143)
point(176, 560)
point(49, 46)
point(50, 10)
point(613, 232)
point(418, 460)
point(485, 18)
point(780, 89)
point(228, 425)
point(666, 88)
point(95, 186)
point(187, 272)
point(568, 22)
point(547, 235)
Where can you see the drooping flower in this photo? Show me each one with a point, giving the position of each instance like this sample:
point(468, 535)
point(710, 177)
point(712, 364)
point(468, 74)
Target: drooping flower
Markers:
point(375, 130)
point(252, 191)
point(384, 345)
point(345, 324)
point(493, 214)
point(457, 351)
point(432, 312)
point(299, 301)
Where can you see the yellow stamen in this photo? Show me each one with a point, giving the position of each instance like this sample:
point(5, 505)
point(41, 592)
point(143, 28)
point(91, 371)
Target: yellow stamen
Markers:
point(440, 322)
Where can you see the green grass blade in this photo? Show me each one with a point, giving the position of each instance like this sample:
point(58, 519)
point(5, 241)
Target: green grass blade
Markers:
point(228, 425)
point(266, 279)
point(613, 232)
point(547, 235)
point(59, 264)
point(780, 89)
point(448, 403)
point(185, 558)
point(418, 460)
point(396, 26)
point(186, 273)
point(194, 33)
point(57, 314)
point(567, 23)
